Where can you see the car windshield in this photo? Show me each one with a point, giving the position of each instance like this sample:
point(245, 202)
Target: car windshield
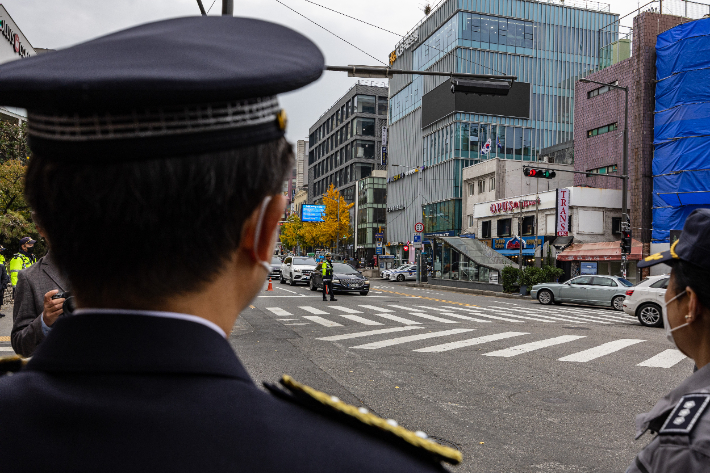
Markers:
point(404, 266)
point(344, 269)
point(275, 260)
point(305, 261)
point(624, 282)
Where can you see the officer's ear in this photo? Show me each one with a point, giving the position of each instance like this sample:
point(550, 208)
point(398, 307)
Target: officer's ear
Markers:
point(262, 224)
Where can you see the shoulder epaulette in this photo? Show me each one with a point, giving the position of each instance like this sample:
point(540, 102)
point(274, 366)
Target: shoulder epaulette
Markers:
point(685, 415)
point(318, 400)
point(12, 364)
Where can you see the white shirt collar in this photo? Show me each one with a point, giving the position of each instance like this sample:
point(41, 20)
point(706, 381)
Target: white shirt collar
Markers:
point(156, 313)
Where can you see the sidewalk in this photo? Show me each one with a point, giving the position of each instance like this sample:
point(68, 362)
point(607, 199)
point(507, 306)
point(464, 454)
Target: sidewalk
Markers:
point(462, 290)
point(5, 329)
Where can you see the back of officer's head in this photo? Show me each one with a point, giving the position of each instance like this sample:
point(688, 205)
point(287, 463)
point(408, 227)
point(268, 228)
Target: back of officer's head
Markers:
point(139, 232)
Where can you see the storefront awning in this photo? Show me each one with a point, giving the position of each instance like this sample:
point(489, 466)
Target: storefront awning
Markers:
point(478, 252)
point(526, 252)
point(602, 251)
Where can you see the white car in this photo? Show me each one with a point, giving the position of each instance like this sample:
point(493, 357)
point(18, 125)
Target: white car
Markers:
point(295, 269)
point(408, 273)
point(385, 274)
point(646, 300)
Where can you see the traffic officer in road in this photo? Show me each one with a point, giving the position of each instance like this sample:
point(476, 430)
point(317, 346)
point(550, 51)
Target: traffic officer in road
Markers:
point(682, 418)
point(2, 256)
point(327, 273)
point(23, 259)
point(147, 140)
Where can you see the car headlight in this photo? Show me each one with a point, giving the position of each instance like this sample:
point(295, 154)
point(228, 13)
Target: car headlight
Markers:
point(336, 281)
point(366, 281)
point(296, 270)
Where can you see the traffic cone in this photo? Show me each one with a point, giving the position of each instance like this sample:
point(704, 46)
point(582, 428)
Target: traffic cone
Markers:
point(271, 287)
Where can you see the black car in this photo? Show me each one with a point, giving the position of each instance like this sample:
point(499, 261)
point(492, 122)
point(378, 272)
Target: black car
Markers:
point(345, 279)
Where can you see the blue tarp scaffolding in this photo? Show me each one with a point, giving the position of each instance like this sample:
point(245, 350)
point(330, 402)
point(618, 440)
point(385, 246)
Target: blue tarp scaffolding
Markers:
point(681, 135)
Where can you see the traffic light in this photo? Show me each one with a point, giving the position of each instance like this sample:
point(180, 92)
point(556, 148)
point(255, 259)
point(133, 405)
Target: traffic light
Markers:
point(480, 87)
point(626, 242)
point(539, 173)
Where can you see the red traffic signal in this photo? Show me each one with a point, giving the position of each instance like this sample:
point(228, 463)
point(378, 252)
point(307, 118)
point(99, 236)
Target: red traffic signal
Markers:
point(540, 173)
point(406, 248)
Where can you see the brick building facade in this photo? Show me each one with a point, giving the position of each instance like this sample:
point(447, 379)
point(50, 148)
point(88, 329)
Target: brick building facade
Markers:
point(602, 152)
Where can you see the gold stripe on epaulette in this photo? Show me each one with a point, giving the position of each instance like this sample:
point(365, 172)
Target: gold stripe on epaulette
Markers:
point(448, 454)
point(12, 364)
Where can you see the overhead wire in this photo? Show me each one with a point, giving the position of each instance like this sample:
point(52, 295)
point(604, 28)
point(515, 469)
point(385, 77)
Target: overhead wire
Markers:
point(326, 29)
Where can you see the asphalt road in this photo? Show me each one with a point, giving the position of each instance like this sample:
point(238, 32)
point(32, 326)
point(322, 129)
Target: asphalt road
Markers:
point(516, 386)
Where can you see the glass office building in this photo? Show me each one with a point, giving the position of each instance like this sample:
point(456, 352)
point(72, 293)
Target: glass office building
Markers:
point(547, 46)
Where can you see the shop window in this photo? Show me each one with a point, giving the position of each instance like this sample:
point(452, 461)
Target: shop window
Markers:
point(504, 227)
point(486, 229)
point(529, 225)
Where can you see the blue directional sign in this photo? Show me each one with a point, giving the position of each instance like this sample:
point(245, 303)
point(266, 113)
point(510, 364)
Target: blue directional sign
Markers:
point(312, 213)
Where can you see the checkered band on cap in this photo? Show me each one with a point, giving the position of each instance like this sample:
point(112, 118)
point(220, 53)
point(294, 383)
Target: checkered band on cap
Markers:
point(154, 122)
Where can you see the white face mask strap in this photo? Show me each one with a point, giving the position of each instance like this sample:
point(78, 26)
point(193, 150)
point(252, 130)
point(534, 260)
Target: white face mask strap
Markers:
point(257, 234)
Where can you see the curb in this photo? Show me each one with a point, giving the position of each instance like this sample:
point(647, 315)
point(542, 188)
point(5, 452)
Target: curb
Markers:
point(476, 292)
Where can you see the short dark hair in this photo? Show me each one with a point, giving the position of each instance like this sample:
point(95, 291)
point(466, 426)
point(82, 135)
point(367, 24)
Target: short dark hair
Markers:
point(140, 232)
point(688, 275)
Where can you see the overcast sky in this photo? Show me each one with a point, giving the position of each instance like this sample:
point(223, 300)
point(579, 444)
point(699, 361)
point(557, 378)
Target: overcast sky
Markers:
point(61, 23)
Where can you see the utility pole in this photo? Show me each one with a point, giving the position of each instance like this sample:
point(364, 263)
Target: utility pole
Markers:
point(228, 7)
point(520, 234)
point(625, 221)
point(202, 8)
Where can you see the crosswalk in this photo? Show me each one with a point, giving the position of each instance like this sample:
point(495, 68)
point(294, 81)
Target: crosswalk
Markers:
point(416, 314)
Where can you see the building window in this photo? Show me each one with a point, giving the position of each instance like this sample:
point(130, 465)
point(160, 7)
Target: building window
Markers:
point(380, 216)
point(364, 149)
point(382, 105)
point(504, 225)
point(615, 225)
point(492, 183)
point(470, 188)
point(604, 170)
point(529, 225)
point(486, 229)
point(601, 90)
point(364, 103)
point(601, 130)
point(481, 186)
point(470, 221)
point(365, 126)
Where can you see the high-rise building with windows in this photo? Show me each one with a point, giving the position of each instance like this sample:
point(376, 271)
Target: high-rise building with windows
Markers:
point(434, 133)
point(345, 144)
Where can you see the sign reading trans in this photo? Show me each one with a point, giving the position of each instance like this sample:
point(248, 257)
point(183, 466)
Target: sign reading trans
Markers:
point(312, 213)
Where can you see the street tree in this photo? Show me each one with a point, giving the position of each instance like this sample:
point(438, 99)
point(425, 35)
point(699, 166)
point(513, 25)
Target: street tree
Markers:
point(13, 142)
point(290, 236)
point(337, 217)
point(15, 215)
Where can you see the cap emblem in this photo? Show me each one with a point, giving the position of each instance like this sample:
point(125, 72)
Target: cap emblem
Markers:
point(282, 119)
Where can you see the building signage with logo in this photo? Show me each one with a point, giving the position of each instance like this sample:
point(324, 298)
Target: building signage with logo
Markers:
point(514, 243)
point(408, 40)
point(562, 212)
point(513, 205)
point(13, 38)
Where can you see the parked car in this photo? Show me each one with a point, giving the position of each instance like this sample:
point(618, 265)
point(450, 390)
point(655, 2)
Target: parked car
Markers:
point(385, 274)
point(592, 290)
point(645, 300)
point(345, 279)
point(408, 273)
point(275, 267)
point(295, 269)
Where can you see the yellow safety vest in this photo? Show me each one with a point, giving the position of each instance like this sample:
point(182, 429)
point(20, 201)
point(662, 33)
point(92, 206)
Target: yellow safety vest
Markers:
point(17, 264)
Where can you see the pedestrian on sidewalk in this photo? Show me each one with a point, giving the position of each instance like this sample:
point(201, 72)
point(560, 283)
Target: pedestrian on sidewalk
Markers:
point(4, 282)
point(682, 418)
point(327, 273)
point(144, 142)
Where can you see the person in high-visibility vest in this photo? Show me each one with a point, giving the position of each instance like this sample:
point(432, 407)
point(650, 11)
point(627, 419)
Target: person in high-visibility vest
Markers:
point(22, 259)
point(2, 256)
point(327, 273)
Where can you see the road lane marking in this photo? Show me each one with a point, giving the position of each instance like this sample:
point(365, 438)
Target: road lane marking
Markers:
point(411, 338)
point(312, 310)
point(528, 313)
point(322, 321)
point(472, 319)
point(488, 316)
point(410, 309)
point(394, 318)
point(665, 359)
point(378, 309)
point(335, 338)
point(301, 323)
point(278, 311)
point(345, 309)
point(287, 290)
point(433, 317)
point(357, 318)
point(7, 349)
point(601, 350)
point(469, 342)
point(528, 347)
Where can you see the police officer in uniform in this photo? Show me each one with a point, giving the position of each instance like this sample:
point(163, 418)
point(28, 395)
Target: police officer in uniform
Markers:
point(327, 273)
point(23, 259)
point(681, 419)
point(145, 141)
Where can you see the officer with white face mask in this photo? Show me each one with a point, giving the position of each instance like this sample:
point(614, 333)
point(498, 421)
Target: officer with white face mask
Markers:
point(682, 417)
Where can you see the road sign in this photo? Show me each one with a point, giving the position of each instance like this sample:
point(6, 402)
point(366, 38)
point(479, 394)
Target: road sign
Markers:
point(419, 227)
point(379, 235)
point(378, 250)
point(417, 238)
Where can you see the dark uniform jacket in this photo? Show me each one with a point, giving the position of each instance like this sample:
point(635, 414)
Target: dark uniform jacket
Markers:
point(32, 284)
point(682, 420)
point(118, 393)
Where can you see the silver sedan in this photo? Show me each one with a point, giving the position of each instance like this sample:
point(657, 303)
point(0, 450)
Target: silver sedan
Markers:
point(591, 290)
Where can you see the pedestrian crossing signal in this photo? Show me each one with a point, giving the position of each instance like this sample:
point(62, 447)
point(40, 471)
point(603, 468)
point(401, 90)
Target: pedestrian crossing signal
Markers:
point(539, 173)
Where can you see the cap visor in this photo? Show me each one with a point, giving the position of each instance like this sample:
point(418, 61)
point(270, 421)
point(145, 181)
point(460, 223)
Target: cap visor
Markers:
point(663, 257)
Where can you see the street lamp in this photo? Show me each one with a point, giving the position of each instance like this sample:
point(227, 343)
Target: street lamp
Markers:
point(624, 165)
